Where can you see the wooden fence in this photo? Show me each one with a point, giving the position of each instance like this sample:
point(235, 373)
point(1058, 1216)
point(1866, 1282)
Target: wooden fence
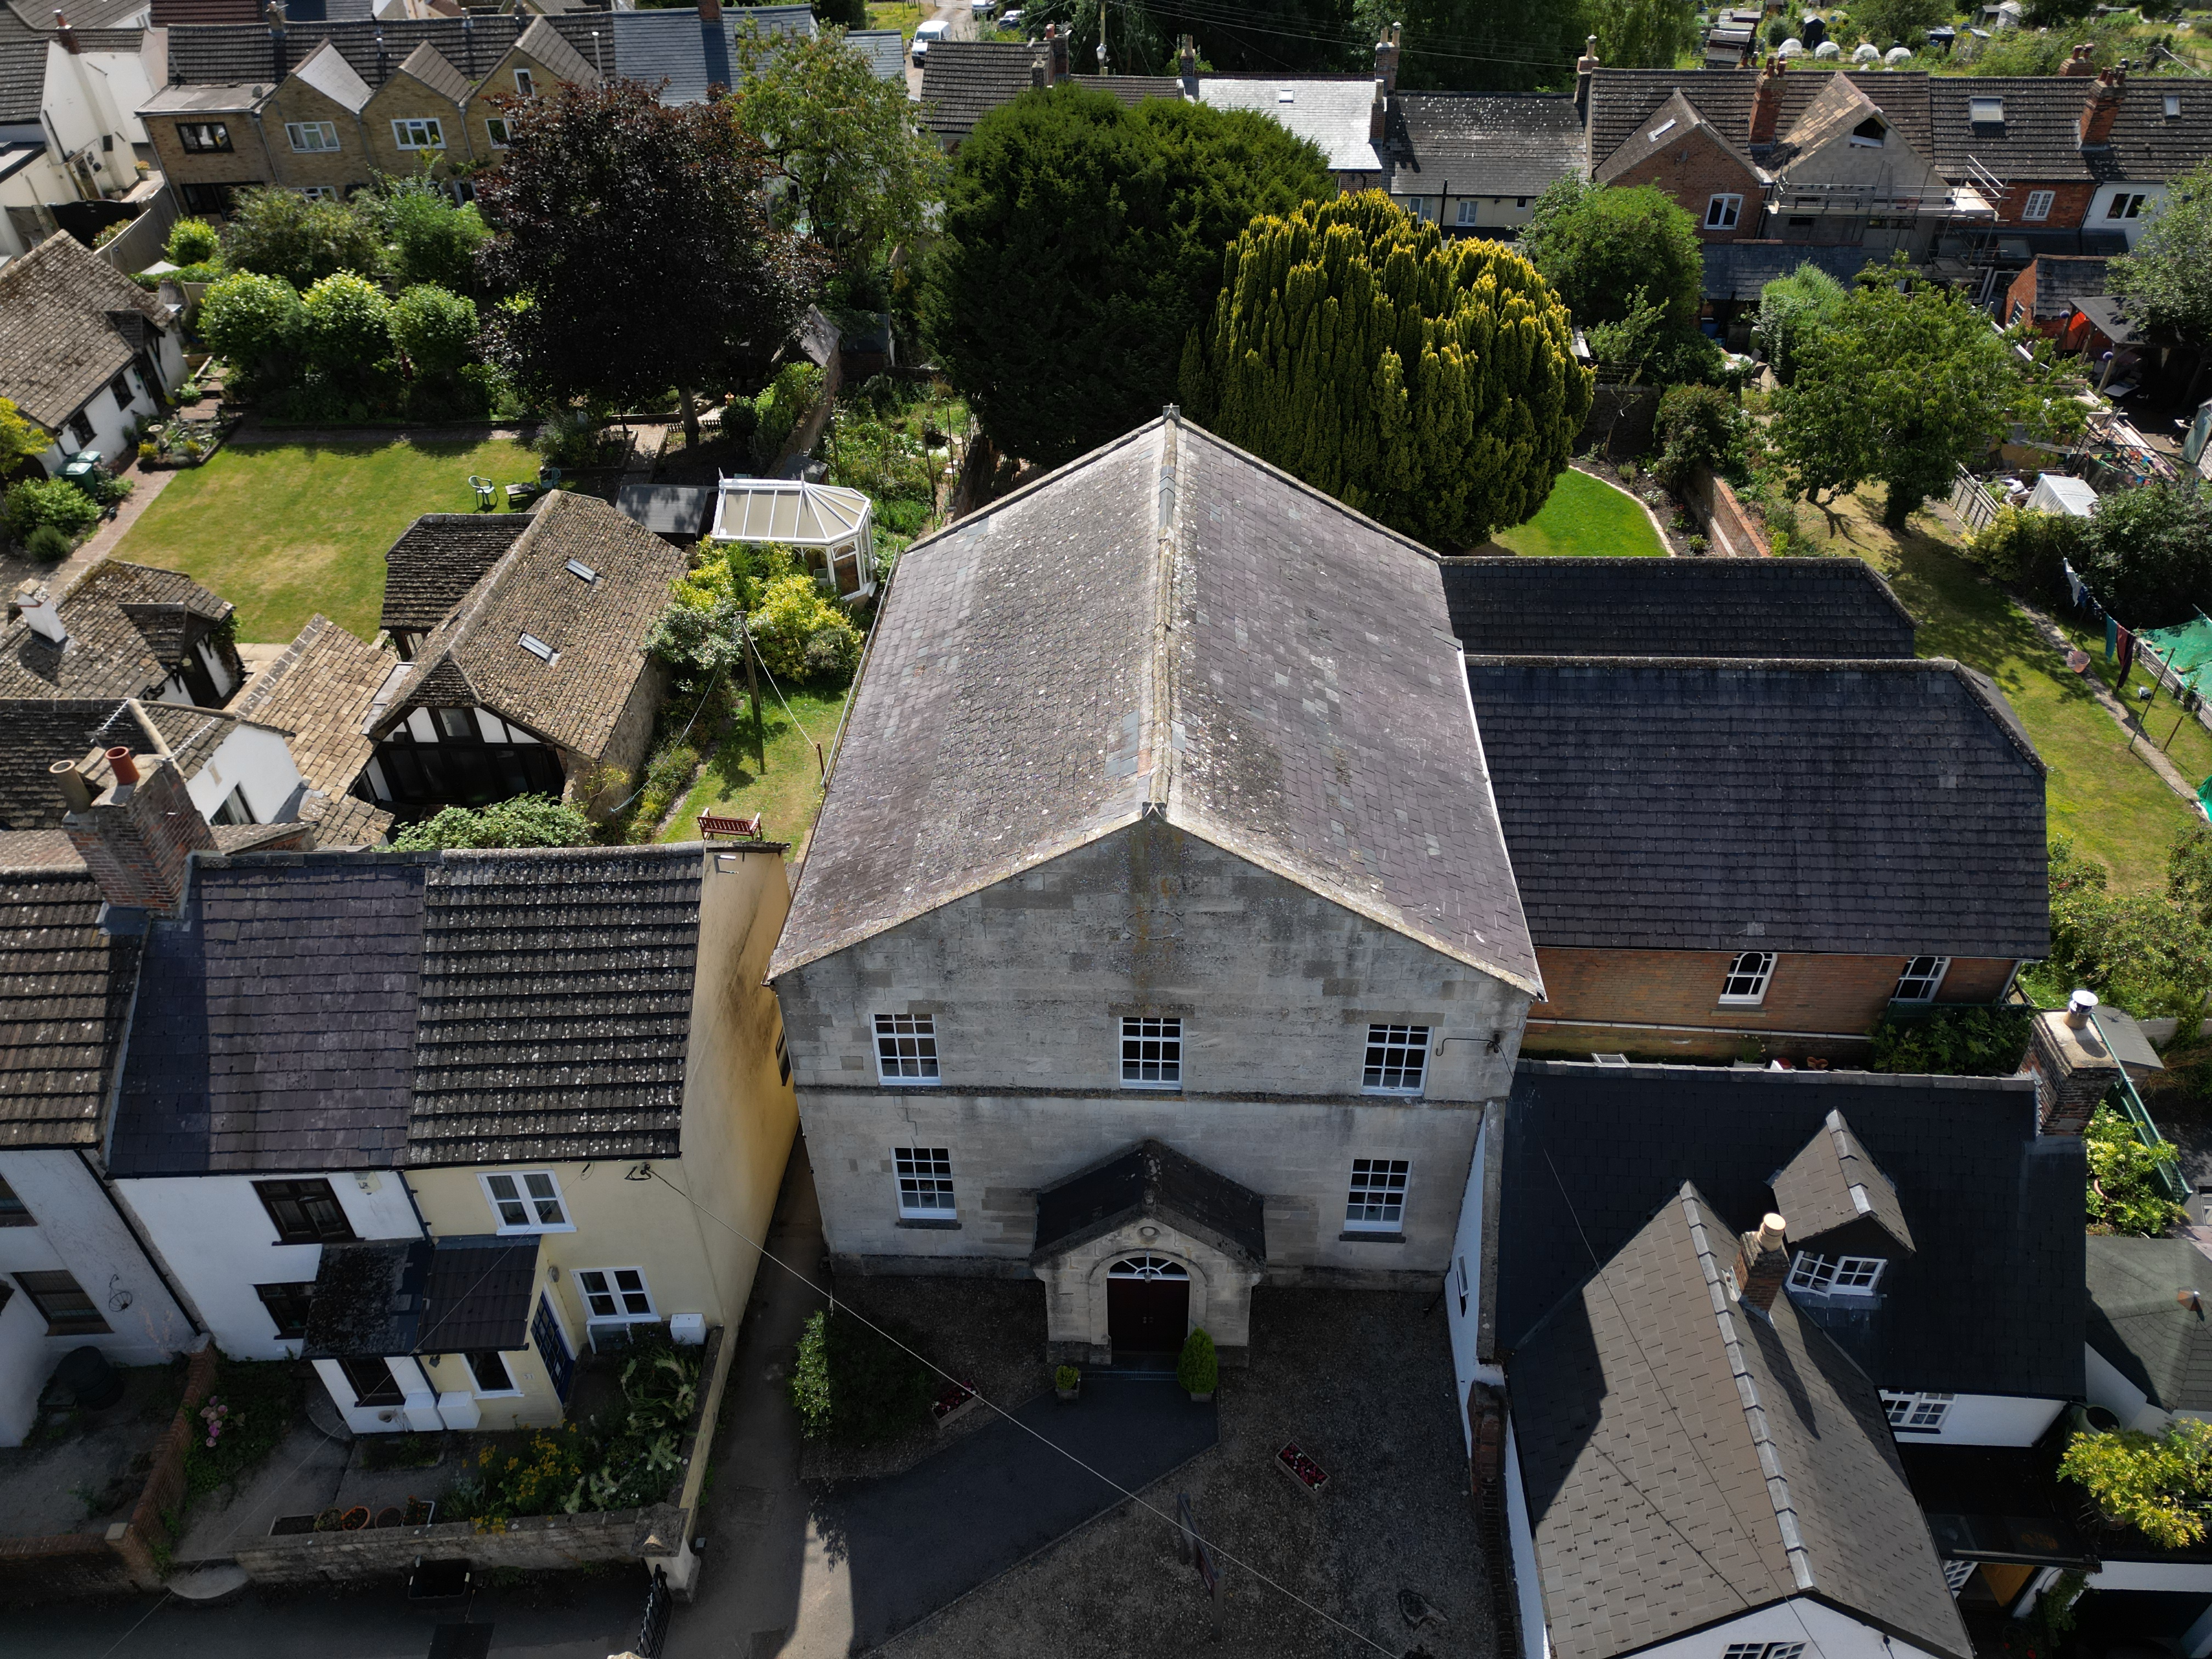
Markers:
point(1974, 505)
point(140, 243)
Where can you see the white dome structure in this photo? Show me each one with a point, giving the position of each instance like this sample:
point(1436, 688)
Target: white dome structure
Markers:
point(1827, 49)
point(1867, 52)
point(1793, 47)
point(1897, 55)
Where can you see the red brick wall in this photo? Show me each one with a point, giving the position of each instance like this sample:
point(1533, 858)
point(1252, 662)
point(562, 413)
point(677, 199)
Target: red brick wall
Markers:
point(1731, 530)
point(1692, 172)
point(1840, 995)
point(2069, 203)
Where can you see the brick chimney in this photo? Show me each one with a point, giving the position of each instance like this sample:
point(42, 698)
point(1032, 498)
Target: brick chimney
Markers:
point(1378, 114)
point(1040, 71)
point(137, 837)
point(1056, 44)
point(710, 11)
point(2072, 1066)
point(1187, 68)
point(1767, 101)
point(1762, 1263)
point(2103, 108)
point(1386, 60)
point(2080, 64)
point(1585, 67)
point(40, 613)
point(280, 62)
point(65, 34)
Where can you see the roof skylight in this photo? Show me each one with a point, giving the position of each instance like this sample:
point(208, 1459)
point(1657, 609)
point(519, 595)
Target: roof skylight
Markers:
point(537, 647)
point(577, 568)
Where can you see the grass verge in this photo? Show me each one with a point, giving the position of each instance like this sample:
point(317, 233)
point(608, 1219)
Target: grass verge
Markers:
point(1587, 518)
point(904, 19)
point(787, 793)
point(2116, 809)
point(283, 531)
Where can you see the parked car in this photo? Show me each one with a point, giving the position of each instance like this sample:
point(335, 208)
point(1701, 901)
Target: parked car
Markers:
point(983, 7)
point(936, 29)
point(1012, 20)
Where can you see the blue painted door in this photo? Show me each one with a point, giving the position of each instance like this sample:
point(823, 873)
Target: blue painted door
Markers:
point(553, 1348)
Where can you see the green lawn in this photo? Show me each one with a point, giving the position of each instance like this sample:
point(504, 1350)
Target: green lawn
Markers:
point(2109, 800)
point(789, 793)
point(1588, 518)
point(283, 531)
point(900, 17)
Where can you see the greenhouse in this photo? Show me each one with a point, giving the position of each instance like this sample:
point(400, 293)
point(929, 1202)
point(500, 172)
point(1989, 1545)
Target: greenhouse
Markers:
point(831, 527)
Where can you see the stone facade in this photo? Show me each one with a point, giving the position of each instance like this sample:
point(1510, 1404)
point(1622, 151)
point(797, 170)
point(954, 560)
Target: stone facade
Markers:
point(1075, 1291)
point(627, 744)
point(1027, 981)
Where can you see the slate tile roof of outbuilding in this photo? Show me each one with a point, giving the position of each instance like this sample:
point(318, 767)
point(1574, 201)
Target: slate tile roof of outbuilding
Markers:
point(59, 345)
point(64, 997)
point(1515, 607)
point(319, 692)
point(126, 626)
point(438, 559)
point(1990, 1301)
point(884, 49)
point(276, 1026)
point(2040, 140)
point(1717, 1460)
point(2062, 278)
point(597, 628)
point(1834, 1183)
point(1889, 808)
point(2142, 1323)
point(1476, 143)
point(556, 1004)
point(1274, 674)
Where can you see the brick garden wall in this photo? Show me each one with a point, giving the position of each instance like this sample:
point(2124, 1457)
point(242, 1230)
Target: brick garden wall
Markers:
point(1733, 532)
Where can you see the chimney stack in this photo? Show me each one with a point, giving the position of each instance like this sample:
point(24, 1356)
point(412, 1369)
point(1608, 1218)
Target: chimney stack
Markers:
point(1378, 114)
point(74, 790)
point(2080, 64)
point(65, 34)
point(710, 11)
point(1055, 45)
point(1040, 71)
point(1762, 1263)
point(278, 57)
point(137, 838)
point(2072, 1066)
point(1186, 67)
point(1386, 60)
point(40, 613)
point(2103, 108)
point(1767, 101)
point(1585, 67)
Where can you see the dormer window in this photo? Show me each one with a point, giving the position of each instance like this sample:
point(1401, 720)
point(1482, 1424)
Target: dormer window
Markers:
point(1985, 111)
point(1869, 133)
point(1836, 1275)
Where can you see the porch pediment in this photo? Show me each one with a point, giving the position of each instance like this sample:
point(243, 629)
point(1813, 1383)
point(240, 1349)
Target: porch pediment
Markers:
point(1152, 1179)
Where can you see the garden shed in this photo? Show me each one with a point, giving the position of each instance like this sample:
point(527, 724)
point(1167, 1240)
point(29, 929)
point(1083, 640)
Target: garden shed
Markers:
point(832, 527)
point(2057, 493)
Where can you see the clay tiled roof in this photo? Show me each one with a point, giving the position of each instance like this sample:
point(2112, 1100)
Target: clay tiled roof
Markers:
point(115, 615)
point(964, 81)
point(2040, 140)
point(596, 629)
point(319, 692)
point(438, 559)
point(425, 64)
point(542, 42)
point(64, 996)
point(59, 345)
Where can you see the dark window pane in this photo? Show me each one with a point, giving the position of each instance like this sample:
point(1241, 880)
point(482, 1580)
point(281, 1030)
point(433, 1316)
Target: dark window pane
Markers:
point(372, 1383)
point(491, 1372)
point(68, 1312)
point(305, 1211)
point(288, 1306)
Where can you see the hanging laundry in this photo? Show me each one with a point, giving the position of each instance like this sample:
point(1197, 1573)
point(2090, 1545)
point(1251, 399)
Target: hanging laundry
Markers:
point(2112, 639)
point(2127, 652)
point(2073, 584)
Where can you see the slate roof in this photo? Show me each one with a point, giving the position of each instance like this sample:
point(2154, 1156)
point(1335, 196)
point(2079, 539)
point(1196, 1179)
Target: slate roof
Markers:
point(64, 997)
point(127, 624)
point(438, 559)
point(1883, 808)
point(2061, 279)
point(1719, 1460)
point(674, 47)
point(58, 344)
point(1333, 112)
point(275, 1025)
point(2040, 140)
point(964, 81)
point(40, 730)
point(1150, 1179)
point(319, 692)
point(1832, 1184)
point(425, 64)
point(1622, 101)
point(1476, 143)
point(410, 1295)
point(884, 49)
point(2140, 1324)
point(597, 628)
point(556, 1004)
point(1990, 1301)
point(543, 42)
point(479, 1295)
point(1738, 271)
point(1165, 626)
point(1514, 607)
point(326, 70)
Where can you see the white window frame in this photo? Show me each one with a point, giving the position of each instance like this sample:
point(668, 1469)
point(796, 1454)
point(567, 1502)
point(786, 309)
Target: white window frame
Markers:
point(432, 134)
point(924, 1178)
point(1754, 972)
point(476, 1389)
point(1152, 1042)
point(325, 133)
point(1467, 215)
point(319, 192)
point(521, 1192)
point(2039, 204)
point(1395, 1051)
point(2127, 205)
point(525, 85)
point(904, 1041)
point(1724, 211)
point(1916, 1413)
point(1374, 1199)
point(1921, 980)
point(626, 1316)
point(1841, 1275)
point(495, 131)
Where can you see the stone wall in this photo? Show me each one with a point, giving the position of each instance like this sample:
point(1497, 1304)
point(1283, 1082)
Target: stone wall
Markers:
point(533, 1543)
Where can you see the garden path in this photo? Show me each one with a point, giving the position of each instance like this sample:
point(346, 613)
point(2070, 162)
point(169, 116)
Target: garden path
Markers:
point(2167, 772)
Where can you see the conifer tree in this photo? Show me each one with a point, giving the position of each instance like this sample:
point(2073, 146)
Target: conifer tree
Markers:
point(1431, 385)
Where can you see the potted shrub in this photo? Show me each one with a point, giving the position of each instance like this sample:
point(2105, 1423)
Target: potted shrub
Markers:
point(1199, 1368)
point(1067, 1382)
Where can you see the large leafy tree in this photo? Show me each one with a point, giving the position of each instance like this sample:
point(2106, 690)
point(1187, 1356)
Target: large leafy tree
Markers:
point(1083, 241)
point(1608, 250)
point(2148, 552)
point(1645, 34)
point(2168, 280)
point(1271, 36)
point(1431, 385)
point(636, 249)
point(1905, 383)
point(1500, 46)
point(856, 169)
point(280, 233)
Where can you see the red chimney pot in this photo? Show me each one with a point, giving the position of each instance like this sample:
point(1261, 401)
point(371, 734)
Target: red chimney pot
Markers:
point(120, 763)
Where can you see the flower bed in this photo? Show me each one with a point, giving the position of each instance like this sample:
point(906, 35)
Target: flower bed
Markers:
point(178, 442)
point(1310, 1476)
